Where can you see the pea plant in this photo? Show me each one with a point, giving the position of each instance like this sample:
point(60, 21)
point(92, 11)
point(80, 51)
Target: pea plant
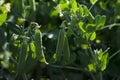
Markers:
point(79, 22)
point(56, 40)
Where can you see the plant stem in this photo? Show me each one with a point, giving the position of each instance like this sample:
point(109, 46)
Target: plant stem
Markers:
point(114, 54)
point(100, 76)
point(93, 77)
point(67, 67)
point(110, 26)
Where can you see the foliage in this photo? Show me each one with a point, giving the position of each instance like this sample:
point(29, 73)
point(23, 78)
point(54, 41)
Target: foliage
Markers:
point(59, 40)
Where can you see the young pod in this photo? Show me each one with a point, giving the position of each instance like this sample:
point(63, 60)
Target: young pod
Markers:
point(60, 44)
point(38, 46)
point(22, 57)
point(66, 52)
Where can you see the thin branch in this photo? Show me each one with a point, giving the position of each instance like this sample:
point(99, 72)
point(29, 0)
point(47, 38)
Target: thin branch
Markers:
point(110, 26)
point(106, 50)
point(67, 67)
point(114, 54)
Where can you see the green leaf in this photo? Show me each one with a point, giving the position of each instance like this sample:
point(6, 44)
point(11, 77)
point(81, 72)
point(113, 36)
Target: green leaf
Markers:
point(62, 1)
point(91, 67)
point(74, 5)
point(103, 5)
point(100, 21)
point(87, 36)
point(81, 10)
point(64, 6)
point(93, 36)
point(86, 11)
point(2, 18)
point(53, 13)
point(104, 61)
point(91, 28)
point(88, 14)
point(100, 55)
point(81, 26)
point(93, 1)
point(84, 46)
point(61, 7)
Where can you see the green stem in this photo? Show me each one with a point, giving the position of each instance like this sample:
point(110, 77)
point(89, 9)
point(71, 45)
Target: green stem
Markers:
point(114, 54)
point(67, 67)
point(110, 26)
point(100, 76)
point(93, 77)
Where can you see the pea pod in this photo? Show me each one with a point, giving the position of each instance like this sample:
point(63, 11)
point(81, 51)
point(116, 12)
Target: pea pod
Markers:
point(60, 45)
point(38, 46)
point(20, 7)
point(22, 57)
point(32, 4)
point(33, 10)
point(66, 52)
point(30, 58)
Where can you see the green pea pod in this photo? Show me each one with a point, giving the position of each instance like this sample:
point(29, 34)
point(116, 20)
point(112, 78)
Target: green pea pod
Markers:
point(22, 57)
point(19, 6)
point(32, 4)
point(33, 10)
point(66, 52)
point(31, 58)
point(38, 46)
point(60, 44)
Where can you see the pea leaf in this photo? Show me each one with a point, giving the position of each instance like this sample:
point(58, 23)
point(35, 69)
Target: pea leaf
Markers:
point(86, 11)
point(3, 13)
point(100, 21)
point(100, 54)
point(91, 67)
point(90, 27)
point(104, 62)
point(93, 36)
point(74, 5)
point(3, 18)
point(63, 6)
point(81, 26)
point(93, 1)
point(81, 10)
